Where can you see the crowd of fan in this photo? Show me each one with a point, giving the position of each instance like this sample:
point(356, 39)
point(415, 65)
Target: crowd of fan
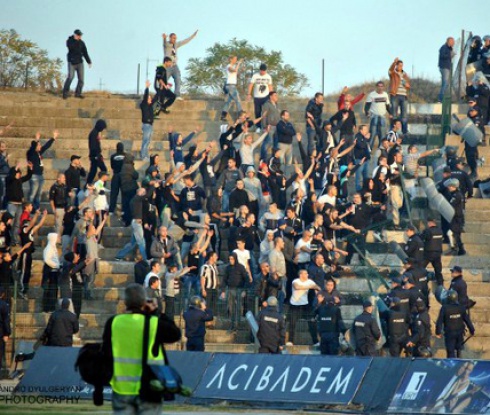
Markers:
point(289, 229)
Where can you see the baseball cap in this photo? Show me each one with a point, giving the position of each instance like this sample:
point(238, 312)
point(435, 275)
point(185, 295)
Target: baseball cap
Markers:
point(366, 304)
point(446, 169)
point(75, 157)
point(78, 32)
point(456, 268)
point(263, 67)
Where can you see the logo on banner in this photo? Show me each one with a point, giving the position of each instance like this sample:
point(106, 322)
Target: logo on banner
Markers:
point(414, 386)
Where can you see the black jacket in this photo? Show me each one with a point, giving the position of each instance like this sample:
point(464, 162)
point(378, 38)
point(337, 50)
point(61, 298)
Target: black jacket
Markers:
point(366, 329)
point(195, 321)
point(13, 186)
point(414, 248)
point(285, 132)
point(136, 206)
point(59, 195)
point(62, 325)
point(36, 158)
point(329, 318)
point(128, 176)
point(272, 329)
point(316, 110)
point(146, 109)
point(73, 175)
point(76, 51)
point(432, 237)
point(459, 285)
point(453, 318)
point(235, 276)
point(95, 150)
point(4, 165)
point(117, 162)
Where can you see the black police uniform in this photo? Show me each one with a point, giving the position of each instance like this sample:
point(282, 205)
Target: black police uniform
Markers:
point(272, 330)
point(5, 328)
point(453, 317)
point(330, 325)
point(457, 223)
point(405, 299)
point(195, 327)
point(414, 248)
point(459, 285)
point(398, 324)
point(433, 238)
point(367, 333)
point(421, 282)
point(421, 332)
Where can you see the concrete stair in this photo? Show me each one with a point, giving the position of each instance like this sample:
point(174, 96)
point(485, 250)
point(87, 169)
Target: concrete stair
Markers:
point(74, 119)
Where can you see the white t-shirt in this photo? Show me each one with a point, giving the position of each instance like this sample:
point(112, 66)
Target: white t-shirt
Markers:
point(231, 77)
point(378, 103)
point(303, 256)
point(299, 296)
point(242, 256)
point(331, 200)
point(261, 85)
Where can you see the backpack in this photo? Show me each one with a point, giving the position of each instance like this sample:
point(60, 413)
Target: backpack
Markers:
point(95, 369)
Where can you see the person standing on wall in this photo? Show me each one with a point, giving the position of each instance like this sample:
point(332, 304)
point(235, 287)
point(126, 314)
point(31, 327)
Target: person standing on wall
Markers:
point(77, 51)
point(446, 55)
point(170, 46)
point(231, 86)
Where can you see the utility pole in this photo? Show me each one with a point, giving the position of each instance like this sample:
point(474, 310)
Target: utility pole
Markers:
point(101, 84)
point(323, 76)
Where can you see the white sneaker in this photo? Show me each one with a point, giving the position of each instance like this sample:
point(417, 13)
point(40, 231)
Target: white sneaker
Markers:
point(289, 344)
point(179, 99)
point(316, 344)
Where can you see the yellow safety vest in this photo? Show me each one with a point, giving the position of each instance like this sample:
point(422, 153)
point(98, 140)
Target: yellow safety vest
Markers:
point(127, 350)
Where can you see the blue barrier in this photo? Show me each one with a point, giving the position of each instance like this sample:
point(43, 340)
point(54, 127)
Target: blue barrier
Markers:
point(282, 378)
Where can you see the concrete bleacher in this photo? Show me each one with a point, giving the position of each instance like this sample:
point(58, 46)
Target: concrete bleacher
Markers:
point(32, 112)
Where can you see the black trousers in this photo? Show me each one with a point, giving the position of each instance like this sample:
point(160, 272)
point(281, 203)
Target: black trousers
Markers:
point(166, 97)
point(195, 344)
point(329, 344)
point(258, 103)
point(95, 163)
point(435, 260)
point(115, 187)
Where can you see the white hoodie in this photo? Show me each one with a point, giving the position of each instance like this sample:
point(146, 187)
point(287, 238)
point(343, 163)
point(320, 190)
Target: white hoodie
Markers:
point(50, 253)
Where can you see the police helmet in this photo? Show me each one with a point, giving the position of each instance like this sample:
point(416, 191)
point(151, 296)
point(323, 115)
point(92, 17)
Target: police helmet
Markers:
point(424, 352)
point(196, 301)
point(452, 297)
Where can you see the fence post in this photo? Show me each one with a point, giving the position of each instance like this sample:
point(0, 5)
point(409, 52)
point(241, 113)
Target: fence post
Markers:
point(138, 80)
point(27, 76)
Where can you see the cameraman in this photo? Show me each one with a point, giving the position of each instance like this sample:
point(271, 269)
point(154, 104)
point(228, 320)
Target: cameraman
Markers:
point(123, 345)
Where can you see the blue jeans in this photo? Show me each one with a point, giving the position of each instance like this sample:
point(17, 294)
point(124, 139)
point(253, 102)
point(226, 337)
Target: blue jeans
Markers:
point(137, 238)
point(311, 134)
point(232, 96)
point(400, 102)
point(225, 201)
point(265, 152)
point(79, 69)
point(192, 285)
point(362, 173)
point(377, 127)
point(145, 145)
point(36, 187)
point(445, 75)
point(174, 72)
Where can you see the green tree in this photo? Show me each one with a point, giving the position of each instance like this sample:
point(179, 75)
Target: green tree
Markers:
point(207, 75)
point(24, 64)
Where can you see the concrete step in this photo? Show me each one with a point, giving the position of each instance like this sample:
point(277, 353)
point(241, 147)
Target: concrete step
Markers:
point(466, 261)
point(105, 267)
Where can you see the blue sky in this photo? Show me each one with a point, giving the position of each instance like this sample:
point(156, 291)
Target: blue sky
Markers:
point(358, 39)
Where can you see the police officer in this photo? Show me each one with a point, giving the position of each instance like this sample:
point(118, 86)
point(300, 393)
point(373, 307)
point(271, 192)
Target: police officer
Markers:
point(414, 248)
point(419, 341)
point(457, 223)
point(330, 324)
point(453, 318)
point(195, 323)
point(366, 331)
point(413, 291)
point(433, 238)
point(466, 185)
point(398, 324)
point(420, 278)
point(272, 328)
point(398, 291)
point(459, 285)
point(5, 328)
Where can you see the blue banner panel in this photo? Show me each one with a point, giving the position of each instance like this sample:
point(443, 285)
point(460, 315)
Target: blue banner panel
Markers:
point(448, 386)
point(380, 383)
point(282, 378)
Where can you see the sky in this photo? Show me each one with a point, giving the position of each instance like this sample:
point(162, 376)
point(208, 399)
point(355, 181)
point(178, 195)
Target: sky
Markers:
point(358, 39)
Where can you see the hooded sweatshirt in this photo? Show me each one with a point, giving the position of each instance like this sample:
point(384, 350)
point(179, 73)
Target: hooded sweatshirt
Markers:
point(117, 158)
point(95, 149)
point(35, 157)
point(235, 275)
point(178, 149)
point(50, 253)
